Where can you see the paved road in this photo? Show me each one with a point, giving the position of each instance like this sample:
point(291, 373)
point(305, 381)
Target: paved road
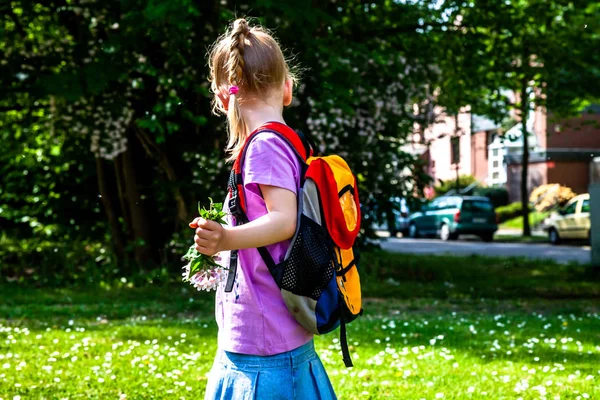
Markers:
point(562, 254)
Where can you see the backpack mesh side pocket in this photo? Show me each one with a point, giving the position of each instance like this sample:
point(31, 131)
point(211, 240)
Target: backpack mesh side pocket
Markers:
point(309, 267)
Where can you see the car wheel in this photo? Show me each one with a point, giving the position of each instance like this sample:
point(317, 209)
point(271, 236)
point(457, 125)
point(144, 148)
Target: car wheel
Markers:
point(445, 233)
point(413, 232)
point(553, 236)
point(488, 237)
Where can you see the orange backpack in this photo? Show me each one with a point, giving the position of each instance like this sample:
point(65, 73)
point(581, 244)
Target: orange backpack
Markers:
point(319, 277)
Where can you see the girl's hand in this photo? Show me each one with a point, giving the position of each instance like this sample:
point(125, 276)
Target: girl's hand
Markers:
point(210, 236)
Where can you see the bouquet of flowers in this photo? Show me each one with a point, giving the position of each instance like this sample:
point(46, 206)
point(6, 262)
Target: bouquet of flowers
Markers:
point(203, 272)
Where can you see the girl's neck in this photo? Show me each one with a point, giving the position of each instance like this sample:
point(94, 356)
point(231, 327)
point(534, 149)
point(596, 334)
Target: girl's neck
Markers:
point(257, 113)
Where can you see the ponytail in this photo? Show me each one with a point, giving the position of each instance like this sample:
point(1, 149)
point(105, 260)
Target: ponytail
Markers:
point(235, 69)
point(249, 61)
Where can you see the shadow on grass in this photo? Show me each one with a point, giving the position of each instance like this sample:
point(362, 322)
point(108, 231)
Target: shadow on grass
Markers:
point(59, 305)
point(472, 277)
point(146, 314)
point(498, 332)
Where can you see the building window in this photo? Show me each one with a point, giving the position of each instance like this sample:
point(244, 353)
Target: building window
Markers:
point(496, 164)
point(496, 176)
point(495, 152)
point(455, 150)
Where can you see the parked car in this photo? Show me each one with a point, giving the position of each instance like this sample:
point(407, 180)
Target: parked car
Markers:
point(571, 222)
point(397, 220)
point(451, 216)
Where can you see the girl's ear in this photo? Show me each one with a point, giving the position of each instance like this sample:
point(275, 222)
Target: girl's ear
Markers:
point(288, 89)
point(224, 100)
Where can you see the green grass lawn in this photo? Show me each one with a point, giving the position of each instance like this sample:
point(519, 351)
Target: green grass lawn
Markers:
point(408, 276)
point(433, 328)
point(535, 218)
point(160, 344)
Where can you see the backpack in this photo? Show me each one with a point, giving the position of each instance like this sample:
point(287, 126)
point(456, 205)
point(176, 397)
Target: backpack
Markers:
point(319, 276)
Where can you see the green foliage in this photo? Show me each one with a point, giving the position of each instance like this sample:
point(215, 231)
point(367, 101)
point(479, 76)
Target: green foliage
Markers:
point(511, 216)
point(514, 57)
point(197, 261)
point(510, 211)
point(497, 195)
point(446, 186)
point(116, 98)
point(535, 219)
point(111, 99)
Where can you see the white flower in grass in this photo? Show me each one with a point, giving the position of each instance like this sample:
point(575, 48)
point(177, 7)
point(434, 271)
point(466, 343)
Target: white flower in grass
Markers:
point(439, 395)
point(471, 389)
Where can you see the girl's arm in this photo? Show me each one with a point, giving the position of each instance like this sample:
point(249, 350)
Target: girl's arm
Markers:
point(277, 225)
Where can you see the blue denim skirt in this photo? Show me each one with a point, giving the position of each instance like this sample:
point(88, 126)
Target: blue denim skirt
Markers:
point(296, 374)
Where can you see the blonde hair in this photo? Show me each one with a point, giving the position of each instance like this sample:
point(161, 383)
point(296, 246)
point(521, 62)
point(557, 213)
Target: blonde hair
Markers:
point(251, 59)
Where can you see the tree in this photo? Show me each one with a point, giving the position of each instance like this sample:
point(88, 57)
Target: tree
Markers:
point(113, 97)
point(120, 81)
point(544, 52)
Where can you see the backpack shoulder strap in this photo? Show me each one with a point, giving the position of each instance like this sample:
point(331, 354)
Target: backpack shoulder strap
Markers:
point(296, 140)
point(237, 202)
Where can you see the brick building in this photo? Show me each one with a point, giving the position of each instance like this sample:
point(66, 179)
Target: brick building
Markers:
point(560, 152)
point(563, 153)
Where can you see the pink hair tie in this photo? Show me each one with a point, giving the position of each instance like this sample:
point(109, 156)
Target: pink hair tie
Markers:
point(234, 90)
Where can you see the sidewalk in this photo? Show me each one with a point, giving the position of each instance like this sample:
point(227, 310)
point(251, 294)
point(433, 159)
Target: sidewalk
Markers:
point(519, 232)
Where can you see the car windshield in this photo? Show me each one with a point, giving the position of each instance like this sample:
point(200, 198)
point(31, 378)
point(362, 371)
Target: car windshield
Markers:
point(477, 205)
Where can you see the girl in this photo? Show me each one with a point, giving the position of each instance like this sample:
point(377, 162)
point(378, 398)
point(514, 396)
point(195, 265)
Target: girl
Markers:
point(263, 352)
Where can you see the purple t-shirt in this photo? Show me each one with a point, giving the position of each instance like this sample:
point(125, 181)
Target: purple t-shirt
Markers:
point(253, 319)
